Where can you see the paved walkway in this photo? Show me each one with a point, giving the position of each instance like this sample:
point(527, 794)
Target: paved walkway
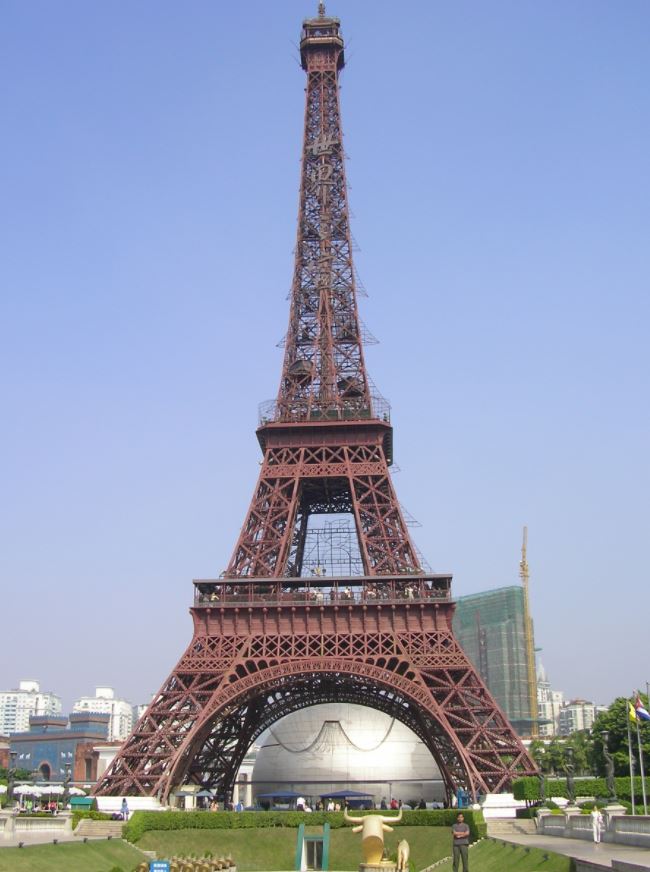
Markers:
point(581, 849)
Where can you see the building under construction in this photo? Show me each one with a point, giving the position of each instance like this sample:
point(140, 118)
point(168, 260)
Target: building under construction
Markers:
point(491, 627)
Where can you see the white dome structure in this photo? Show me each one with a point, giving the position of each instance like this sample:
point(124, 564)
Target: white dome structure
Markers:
point(341, 746)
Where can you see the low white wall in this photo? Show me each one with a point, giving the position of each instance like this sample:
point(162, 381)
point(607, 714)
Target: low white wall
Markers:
point(500, 805)
point(14, 826)
point(630, 830)
point(110, 804)
point(620, 829)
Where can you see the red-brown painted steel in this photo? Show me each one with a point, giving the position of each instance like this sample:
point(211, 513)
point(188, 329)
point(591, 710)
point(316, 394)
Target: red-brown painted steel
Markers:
point(343, 468)
point(268, 640)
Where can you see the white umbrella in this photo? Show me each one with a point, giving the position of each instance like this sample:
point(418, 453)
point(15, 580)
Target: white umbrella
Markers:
point(53, 790)
point(27, 790)
point(3, 788)
point(76, 791)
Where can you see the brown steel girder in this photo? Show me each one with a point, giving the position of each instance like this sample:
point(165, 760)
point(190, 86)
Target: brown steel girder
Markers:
point(324, 369)
point(298, 480)
point(226, 691)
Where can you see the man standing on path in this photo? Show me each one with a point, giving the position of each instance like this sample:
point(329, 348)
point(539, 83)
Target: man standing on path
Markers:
point(460, 833)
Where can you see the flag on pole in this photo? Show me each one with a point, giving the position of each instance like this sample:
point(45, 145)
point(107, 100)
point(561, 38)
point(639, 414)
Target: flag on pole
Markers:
point(640, 711)
point(631, 712)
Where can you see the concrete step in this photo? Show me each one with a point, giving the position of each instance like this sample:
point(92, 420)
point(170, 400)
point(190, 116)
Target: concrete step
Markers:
point(99, 829)
point(507, 826)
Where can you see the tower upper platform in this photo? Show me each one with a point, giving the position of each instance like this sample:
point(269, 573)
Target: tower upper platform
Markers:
point(318, 33)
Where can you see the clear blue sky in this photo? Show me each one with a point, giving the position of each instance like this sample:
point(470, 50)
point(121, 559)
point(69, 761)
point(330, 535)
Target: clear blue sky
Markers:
point(500, 191)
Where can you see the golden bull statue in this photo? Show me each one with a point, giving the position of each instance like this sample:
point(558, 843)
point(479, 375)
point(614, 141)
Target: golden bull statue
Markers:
point(372, 827)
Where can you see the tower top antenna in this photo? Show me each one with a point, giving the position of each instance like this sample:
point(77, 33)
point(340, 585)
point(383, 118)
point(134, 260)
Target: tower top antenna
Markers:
point(321, 9)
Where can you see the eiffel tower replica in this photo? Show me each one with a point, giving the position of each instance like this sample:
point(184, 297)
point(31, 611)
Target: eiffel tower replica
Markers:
point(277, 631)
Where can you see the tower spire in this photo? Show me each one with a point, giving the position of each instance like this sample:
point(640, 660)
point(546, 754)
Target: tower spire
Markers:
point(324, 371)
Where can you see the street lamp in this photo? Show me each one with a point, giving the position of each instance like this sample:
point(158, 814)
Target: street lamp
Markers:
point(610, 781)
point(569, 769)
point(11, 774)
point(66, 784)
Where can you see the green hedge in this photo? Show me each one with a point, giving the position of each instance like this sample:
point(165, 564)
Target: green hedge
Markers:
point(92, 815)
point(142, 821)
point(528, 788)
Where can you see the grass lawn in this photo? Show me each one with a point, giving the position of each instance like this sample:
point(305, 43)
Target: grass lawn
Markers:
point(96, 856)
point(266, 850)
point(489, 856)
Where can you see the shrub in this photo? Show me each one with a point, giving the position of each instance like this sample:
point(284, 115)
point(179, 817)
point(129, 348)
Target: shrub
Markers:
point(92, 815)
point(528, 788)
point(142, 821)
point(638, 809)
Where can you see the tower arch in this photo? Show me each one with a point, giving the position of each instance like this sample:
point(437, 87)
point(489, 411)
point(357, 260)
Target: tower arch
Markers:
point(218, 741)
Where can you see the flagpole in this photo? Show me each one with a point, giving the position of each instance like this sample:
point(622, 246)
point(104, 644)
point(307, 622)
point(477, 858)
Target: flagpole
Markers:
point(630, 758)
point(638, 739)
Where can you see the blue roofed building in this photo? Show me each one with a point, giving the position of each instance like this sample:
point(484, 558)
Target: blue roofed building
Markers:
point(55, 745)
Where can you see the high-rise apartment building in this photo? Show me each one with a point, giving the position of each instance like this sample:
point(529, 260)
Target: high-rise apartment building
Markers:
point(105, 702)
point(16, 706)
point(549, 705)
point(578, 714)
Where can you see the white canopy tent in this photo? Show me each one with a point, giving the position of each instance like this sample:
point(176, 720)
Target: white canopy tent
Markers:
point(27, 790)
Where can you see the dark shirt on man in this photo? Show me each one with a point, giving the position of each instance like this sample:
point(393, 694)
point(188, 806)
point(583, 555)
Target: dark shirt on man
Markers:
point(459, 828)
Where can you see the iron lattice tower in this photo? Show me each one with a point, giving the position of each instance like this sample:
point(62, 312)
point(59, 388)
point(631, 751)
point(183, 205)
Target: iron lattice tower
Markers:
point(270, 638)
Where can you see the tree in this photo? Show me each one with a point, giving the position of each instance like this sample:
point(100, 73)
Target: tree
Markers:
point(583, 751)
point(537, 750)
point(19, 775)
point(551, 758)
point(615, 721)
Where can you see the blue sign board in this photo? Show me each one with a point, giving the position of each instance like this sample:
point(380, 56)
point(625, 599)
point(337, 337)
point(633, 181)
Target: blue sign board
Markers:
point(159, 866)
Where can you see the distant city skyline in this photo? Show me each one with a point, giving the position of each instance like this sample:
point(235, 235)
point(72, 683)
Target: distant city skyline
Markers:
point(501, 195)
